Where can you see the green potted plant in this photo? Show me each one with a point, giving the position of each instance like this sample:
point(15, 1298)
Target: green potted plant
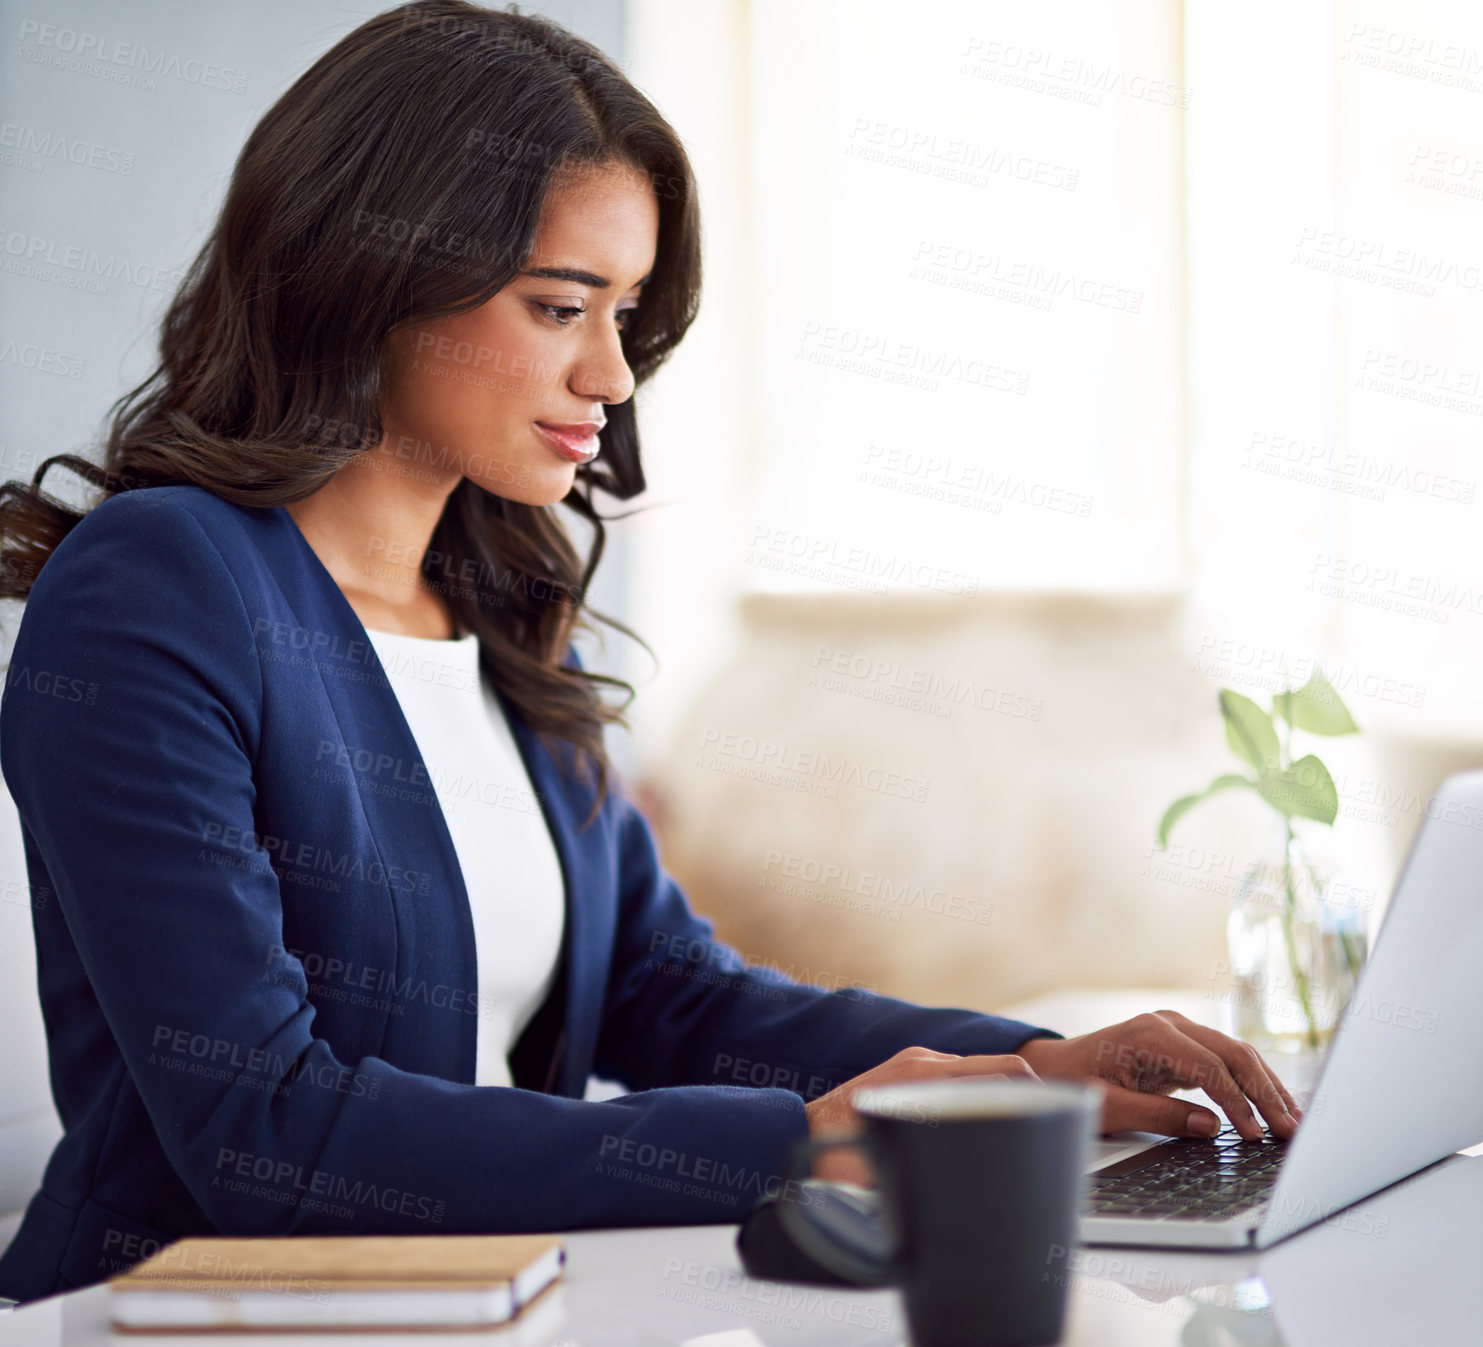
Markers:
point(1294, 954)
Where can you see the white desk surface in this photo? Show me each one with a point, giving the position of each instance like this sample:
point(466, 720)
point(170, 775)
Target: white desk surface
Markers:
point(1337, 1284)
point(683, 1287)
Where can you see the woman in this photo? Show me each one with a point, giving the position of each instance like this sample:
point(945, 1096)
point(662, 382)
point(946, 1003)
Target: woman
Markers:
point(295, 980)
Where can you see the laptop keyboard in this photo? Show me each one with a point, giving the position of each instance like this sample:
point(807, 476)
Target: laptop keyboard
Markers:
point(1189, 1179)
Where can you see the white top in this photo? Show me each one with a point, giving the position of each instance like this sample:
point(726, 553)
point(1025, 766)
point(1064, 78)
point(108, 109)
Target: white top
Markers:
point(509, 862)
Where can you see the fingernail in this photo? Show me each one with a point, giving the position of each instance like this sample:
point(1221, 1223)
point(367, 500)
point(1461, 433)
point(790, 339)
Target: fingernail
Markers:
point(1202, 1124)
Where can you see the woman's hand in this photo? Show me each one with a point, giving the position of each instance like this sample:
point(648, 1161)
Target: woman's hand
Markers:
point(1143, 1059)
point(832, 1114)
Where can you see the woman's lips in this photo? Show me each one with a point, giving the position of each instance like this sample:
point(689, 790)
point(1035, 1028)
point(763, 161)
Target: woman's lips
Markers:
point(576, 444)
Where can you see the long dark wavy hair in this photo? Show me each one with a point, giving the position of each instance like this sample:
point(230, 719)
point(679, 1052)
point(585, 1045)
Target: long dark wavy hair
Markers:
point(400, 179)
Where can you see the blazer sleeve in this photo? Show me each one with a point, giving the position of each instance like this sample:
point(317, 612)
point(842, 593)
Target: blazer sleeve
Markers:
point(117, 791)
point(684, 1008)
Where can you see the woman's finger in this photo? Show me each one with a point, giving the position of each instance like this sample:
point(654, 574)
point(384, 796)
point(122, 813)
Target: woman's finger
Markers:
point(1189, 1062)
point(1125, 1110)
point(1236, 1053)
point(1253, 1075)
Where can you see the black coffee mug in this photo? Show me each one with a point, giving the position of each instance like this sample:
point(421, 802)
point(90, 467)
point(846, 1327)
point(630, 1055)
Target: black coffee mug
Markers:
point(981, 1185)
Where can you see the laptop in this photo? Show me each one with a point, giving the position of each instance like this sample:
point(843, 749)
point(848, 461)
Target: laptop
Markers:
point(1400, 1088)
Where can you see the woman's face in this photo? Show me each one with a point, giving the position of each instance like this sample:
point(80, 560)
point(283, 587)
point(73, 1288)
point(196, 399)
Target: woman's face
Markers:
point(465, 396)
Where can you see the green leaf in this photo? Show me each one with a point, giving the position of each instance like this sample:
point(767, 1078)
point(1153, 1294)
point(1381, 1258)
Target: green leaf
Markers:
point(1315, 707)
point(1185, 803)
point(1249, 730)
point(1304, 790)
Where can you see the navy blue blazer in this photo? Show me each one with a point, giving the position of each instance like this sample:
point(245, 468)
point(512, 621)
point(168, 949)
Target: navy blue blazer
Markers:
point(255, 951)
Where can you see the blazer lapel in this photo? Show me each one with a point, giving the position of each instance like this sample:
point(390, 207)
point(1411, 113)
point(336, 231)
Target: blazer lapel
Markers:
point(586, 865)
point(435, 931)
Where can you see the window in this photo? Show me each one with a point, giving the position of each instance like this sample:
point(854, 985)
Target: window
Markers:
point(968, 276)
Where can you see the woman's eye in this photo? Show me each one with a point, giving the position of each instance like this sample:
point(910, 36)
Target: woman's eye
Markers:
point(562, 314)
point(554, 311)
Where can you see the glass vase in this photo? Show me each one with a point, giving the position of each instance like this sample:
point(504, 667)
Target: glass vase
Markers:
point(1295, 953)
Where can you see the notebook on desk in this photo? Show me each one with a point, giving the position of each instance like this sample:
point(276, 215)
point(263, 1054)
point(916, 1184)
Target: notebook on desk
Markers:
point(334, 1282)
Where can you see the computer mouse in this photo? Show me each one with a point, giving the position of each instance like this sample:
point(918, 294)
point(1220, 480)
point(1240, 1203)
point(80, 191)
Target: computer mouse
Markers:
point(831, 1234)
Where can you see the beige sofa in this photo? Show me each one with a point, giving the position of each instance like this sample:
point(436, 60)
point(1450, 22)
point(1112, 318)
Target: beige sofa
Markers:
point(1060, 729)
